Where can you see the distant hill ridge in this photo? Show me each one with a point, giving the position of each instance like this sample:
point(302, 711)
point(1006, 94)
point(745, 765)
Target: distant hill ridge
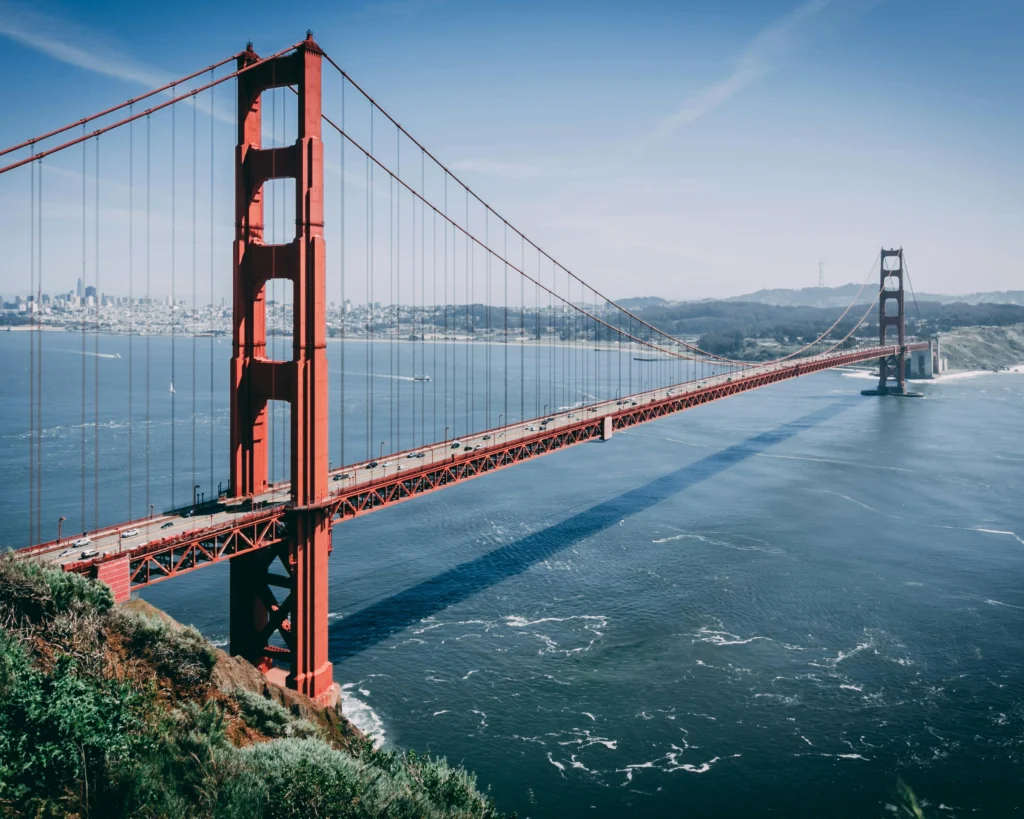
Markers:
point(830, 297)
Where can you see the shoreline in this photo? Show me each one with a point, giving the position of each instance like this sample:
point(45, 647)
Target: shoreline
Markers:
point(952, 375)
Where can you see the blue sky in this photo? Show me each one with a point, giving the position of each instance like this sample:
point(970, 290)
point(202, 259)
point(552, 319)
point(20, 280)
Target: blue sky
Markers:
point(681, 149)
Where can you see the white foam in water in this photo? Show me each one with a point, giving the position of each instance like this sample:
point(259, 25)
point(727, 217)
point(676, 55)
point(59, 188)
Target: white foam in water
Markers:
point(361, 715)
point(717, 637)
point(1001, 603)
point(704, 767)
point(1014, 535)
point(558, 765)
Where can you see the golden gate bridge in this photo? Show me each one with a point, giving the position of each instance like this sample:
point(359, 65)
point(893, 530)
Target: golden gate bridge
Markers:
point(480, 301)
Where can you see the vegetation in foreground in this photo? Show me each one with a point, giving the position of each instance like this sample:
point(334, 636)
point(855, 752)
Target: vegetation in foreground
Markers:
point(117, 712)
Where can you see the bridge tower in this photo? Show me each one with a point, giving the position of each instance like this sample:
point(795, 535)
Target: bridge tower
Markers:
point(892, 367)
point(256, 612)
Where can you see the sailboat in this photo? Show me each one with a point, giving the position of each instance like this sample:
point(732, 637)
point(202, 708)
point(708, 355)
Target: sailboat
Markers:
point(171, 390)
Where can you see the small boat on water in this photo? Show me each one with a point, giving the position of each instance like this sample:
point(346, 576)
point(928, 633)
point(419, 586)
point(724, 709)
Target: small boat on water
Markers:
point(421, 378)
point(171, 390)
point(640, 358)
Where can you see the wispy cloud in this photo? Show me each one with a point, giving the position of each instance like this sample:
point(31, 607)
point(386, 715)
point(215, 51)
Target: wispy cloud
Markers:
point(75, 45)
point(756, 60)
point(85, 48)
point(503, 170)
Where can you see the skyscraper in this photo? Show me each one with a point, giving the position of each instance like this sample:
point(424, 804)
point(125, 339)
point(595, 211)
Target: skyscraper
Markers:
point(79, 291)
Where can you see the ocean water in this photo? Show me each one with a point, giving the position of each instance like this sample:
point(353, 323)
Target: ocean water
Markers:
point(779, 604)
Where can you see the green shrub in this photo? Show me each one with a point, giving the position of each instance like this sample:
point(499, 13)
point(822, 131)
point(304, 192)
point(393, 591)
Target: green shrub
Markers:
point(272, 718)
point(180, 654)
point(81, 736)
point(31, 593)
point(60, 733)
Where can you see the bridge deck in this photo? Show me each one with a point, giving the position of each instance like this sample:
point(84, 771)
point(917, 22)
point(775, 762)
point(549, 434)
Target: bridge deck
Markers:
point(168, 545)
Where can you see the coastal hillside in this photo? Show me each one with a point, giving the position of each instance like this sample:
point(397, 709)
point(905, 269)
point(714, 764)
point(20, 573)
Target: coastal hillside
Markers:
point(984, 348)
point(121, 712)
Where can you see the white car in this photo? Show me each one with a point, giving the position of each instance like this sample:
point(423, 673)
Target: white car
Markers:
point(82, 541)
point(89, 553)
point(129, 533)
point(531, 428)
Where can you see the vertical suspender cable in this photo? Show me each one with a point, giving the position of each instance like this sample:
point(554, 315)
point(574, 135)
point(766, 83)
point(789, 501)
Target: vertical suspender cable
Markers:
point(391, 313)
point(522, 330)
point(396, 442)
point(149, 312)
point(423, 299)
point(370, 310)
point(174, 295)
point(131, 297)
point(32, 534)
point(344, 313)
point(39, 365)
point(444, 227)
point(96, 354)
point(369, 303)
point(81, 313)
point(505, 335)
point(195, 164)
point(212, 242)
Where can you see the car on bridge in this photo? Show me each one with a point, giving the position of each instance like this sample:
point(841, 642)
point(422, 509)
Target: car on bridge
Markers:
point(371, 465)
point(456, 444)
point(129, 533)
point(168, 525)
point(82, 541)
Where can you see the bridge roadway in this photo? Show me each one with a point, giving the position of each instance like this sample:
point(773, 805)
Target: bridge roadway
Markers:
point(170, 544)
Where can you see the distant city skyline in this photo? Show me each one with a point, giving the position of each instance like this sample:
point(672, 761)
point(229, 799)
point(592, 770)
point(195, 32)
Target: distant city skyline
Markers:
point(685, 151)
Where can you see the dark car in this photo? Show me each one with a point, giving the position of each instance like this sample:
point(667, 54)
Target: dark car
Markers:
point(168, 525)
point(371, 465)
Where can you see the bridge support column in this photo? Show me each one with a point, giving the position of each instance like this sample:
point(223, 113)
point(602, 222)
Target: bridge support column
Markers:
point(250, 605)
point(606, 428)
point(301, 617)
point(892, 368)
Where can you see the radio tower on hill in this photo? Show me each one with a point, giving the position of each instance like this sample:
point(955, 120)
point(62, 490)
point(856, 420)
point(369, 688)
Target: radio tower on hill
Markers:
point(821, 273)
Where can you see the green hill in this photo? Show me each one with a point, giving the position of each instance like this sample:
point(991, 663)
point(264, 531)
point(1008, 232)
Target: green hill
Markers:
point(121, 712)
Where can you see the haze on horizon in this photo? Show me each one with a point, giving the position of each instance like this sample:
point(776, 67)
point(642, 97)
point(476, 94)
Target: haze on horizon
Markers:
point(681, 150)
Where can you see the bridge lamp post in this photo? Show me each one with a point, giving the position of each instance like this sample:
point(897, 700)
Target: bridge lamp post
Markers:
point(194, 490)
point(59, 522)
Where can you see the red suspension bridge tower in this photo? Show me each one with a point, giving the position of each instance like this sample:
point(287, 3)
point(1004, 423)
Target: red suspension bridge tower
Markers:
point(256, 612)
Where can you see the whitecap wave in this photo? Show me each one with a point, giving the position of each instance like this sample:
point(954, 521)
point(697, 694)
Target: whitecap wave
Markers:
point(361, 715)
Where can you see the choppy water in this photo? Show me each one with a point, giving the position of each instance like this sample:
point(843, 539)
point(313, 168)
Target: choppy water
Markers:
point(778, 604)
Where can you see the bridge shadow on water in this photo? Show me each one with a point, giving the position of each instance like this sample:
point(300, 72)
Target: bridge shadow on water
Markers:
point(385, 618)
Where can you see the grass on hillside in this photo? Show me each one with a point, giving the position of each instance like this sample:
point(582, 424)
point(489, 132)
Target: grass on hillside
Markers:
point(108, 713)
